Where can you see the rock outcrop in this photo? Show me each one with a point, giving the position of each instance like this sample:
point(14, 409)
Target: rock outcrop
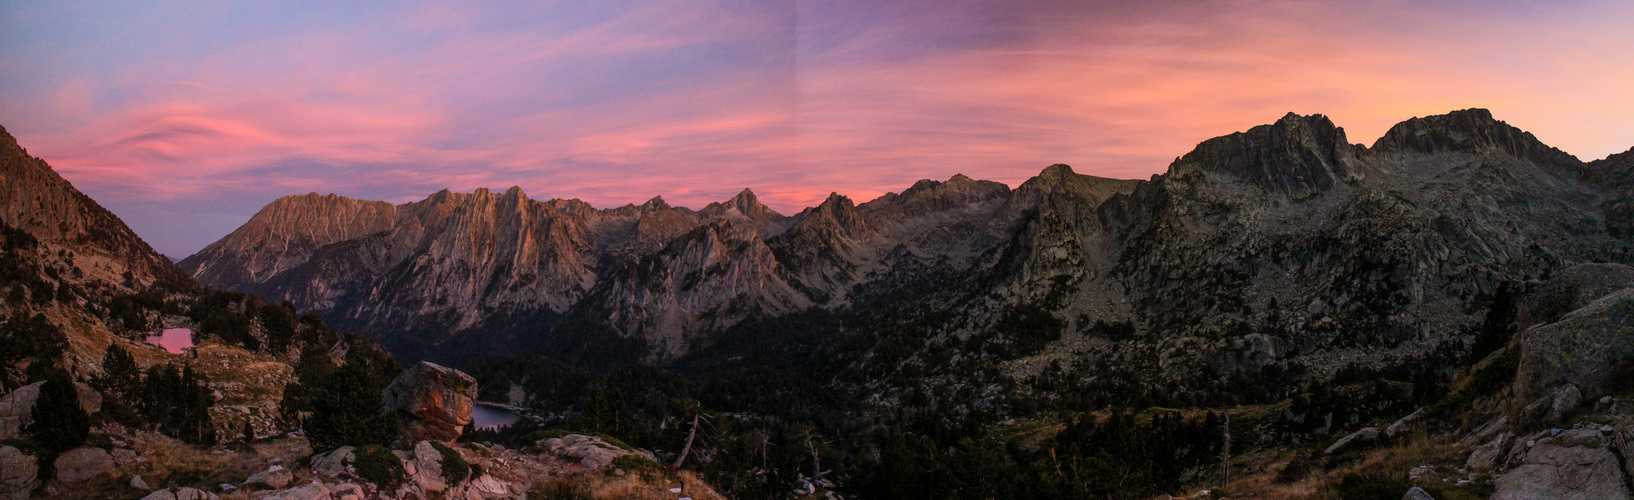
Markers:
point(1575, 465)
point(1584, 348)
point(591, 451)
point(432, 402)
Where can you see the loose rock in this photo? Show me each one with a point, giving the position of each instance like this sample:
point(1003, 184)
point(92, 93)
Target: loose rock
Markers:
point(1367, 434)
point(83, 463)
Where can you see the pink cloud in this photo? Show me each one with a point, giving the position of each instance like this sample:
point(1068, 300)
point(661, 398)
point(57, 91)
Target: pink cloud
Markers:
point(696, 103)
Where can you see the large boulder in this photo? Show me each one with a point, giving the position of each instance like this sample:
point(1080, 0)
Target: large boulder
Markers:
point(1586, 348)
point(17, 408)
point(17, 473)
point(432, 403)
point(1575, 465)
point(83, 463)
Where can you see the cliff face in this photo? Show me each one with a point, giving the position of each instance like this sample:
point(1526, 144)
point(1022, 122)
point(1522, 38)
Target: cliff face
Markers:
point(1285, 238)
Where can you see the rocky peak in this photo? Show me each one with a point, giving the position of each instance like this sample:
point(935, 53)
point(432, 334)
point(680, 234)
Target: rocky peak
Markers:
point(654, 204)
point(1059, 180)
point(296, 226)
point(1298, 156)
point(927, 196)
point(744, 204)
point(836, 216)
point(746, 207)
point(1471, 131)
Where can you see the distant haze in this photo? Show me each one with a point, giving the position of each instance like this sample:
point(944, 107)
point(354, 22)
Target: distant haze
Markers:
point(185, 119)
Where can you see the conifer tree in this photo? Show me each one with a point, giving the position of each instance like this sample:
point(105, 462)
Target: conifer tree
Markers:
point(349, 409)
point(59, 424)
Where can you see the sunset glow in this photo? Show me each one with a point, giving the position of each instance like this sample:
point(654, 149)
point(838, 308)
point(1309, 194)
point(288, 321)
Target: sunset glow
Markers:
point(186, 119)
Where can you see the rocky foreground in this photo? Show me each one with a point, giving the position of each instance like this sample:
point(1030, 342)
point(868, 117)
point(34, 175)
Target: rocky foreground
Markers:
point(432, 404)
point(151, 466)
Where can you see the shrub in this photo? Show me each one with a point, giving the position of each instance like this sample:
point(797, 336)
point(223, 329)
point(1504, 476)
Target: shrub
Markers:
point(455, 469)
point(379, 465)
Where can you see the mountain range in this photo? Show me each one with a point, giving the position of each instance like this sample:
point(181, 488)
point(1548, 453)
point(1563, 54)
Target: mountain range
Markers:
point(1284, 246)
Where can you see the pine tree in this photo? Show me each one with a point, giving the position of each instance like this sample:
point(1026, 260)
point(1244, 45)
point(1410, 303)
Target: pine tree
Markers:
point(120, 375)
point(59, 423)
point(349, 409)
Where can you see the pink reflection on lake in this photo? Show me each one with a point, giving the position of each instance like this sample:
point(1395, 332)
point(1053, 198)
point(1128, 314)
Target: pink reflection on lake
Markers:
point(174, 340)
point(492, 417)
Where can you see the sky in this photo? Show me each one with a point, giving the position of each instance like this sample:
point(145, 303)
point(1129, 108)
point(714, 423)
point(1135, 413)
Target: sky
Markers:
point(184, 118)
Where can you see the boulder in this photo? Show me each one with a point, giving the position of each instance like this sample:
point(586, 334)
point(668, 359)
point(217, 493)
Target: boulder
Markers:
point(1367, 434)
point(181, 494)
point(1400, 426)
point(195, 494)
point(347, 491)
point(432, 403)
point(137, 482)
point(124, 456)
point(17, 473)
point(488, 486)
point(1566, 400)
point(83, 463)
point(334, 462)
point(428, 467)
point(1417, 493)
point(17, 408)
point(1574, 465)
point(1584, 348)
point(1484, 432)
point(1486, 456)
point(274, 477)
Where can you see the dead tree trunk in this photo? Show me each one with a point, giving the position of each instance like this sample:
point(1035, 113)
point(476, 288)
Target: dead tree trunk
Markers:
point(688, 447)
point(1225, 453)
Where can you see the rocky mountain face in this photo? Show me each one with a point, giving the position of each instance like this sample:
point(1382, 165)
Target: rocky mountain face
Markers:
point(73, 231)
point(1283, 248)
point(458, 267)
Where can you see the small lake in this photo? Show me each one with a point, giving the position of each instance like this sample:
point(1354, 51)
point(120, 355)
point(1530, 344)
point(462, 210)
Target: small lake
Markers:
point(174, 340)
point(492, 417)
